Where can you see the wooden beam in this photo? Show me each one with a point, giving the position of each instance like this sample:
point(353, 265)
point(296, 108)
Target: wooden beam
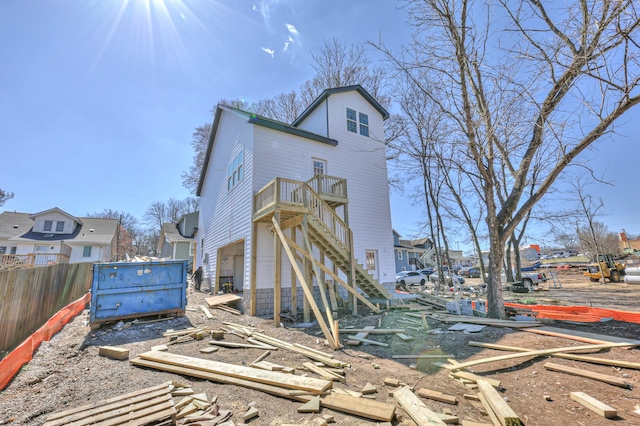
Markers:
point(594, 405)
point(584, 358)
point(437, 396)
point(474, 378)
point(352, 275)
point(277, 274)
point(503, 412)
point(337, 279)
point(373, 330)
point(294, 285)
point(494, 419)
point(216, 280)
point(371, 342)
point(316, 271)
point(305, 287)
point(422, 356)
point(314, 386)
point(588, 374)
point(415, 408)
point(537, 353)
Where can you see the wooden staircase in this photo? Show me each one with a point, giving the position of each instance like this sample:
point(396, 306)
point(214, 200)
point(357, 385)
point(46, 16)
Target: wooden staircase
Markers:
point(296, 200)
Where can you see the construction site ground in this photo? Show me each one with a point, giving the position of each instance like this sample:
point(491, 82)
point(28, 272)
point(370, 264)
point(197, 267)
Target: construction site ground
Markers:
point(67, 371)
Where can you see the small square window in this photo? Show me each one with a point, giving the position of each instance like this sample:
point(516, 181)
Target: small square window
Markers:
point(59, 226)
point(86, 251)
point(48, 224)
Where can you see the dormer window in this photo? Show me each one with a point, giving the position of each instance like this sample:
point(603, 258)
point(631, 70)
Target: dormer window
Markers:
point(59, 226)
point(48, 224)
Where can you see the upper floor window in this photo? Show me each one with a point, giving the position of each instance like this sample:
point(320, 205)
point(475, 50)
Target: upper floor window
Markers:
point(364, 124)
point(86, 251)
point(48, 224)
point(59, 226)
point(399, 254)
point(351, 121)
point(236, 171)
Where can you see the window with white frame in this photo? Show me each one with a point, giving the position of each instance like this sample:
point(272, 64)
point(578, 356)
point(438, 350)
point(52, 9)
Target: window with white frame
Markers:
point(86, 251)
point(364, 124)
point(14, 249)
point(352, 126)
point(48, 224)
point(236, 171)
point(41, 248)
point(399, 254)
point(59, 226)
point(319, 167)
point(3, 250)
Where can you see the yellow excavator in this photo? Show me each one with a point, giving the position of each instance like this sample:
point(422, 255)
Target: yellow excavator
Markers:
point(607, 267)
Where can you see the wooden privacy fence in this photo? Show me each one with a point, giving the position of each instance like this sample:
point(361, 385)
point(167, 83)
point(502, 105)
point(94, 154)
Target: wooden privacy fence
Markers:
point(29, 297)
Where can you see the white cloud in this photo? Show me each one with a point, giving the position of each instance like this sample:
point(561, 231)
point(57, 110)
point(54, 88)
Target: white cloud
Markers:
point(269, 51)
point(292, 29)
point(288, 42)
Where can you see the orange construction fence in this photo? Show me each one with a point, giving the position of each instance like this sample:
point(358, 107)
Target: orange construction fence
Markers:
point(12, 363)
point(579, 313)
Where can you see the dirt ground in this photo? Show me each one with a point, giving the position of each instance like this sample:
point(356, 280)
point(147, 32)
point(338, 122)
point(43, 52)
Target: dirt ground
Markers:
point(67, 372)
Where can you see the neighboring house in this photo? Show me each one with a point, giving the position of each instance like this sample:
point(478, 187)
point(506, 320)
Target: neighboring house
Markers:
point(177, 240)
point(408, 257)
point(259, 170)
point(55, 236)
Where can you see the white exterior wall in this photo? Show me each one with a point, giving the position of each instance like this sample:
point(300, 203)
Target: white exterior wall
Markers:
point(359, 159)
point(316, 122)
point(225, 216)
point(362, 161)
point(99, 253)
point(69, 223)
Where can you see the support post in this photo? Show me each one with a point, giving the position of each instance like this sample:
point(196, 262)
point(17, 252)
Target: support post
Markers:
point(352, 275)
point(254, 263)
point(294, 286)
point(277, 274)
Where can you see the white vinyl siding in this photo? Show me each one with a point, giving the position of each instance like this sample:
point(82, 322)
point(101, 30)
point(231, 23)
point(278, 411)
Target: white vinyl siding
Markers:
point(225, 216)
point(316, 121)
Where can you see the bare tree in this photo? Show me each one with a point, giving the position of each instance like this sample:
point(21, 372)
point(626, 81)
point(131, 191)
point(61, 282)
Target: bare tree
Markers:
point(199, 144)
point(571, 72)
point(128, 230)
point(5, 196)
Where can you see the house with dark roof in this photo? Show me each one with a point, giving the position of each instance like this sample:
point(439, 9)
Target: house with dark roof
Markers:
point(55, 236)
point(276, 219)
point(177, 240)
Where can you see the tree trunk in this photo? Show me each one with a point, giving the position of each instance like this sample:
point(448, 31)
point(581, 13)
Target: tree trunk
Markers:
point(495, 300)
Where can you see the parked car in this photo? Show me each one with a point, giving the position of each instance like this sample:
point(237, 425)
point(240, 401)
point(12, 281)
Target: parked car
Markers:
point(469, 272)
point(450, 279)
point(405, 278)
point(426, 271)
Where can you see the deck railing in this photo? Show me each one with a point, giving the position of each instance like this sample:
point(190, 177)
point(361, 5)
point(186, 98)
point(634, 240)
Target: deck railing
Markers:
point(10, 261)
point(289, 192)
point(329, 185)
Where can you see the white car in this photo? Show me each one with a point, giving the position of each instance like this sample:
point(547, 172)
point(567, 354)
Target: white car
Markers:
point(410, 278)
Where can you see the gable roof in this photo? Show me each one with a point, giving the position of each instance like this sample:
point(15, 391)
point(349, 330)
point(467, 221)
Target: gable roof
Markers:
point(172, 233)
point(328, 92)
point(56, 210)
point(259, 121)
point(104, 230)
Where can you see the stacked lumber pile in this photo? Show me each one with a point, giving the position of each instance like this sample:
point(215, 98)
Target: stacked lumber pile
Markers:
point(147, 406)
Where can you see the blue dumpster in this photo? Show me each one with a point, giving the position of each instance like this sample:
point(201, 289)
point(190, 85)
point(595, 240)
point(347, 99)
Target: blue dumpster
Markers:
point(133, 289)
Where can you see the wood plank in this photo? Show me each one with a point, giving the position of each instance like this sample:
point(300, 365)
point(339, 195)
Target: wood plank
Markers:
point(584, 358)
point(422, 356)
point(415, 408)
point(305, 287)
point(269, 377)
point(309, 354)
point(580, 336)
point(369, 409)
point(371, 342)
point(277, 272)
point(437, 396)
point(113, 352)
point(312, 406)
point(588, 374)
point(240, 345)
point(373, 330)
point(325, 374)
point(361, 334)
point(221, 299)
point(404, 337)
point(206, 311)
point(492, 416)
point(594, 405)
point(537, 353)
point(474, 378)
point(113, 403)
point(503, 411)
point(359, 406)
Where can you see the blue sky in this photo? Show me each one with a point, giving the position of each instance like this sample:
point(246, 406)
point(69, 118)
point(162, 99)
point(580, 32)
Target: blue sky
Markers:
point(99, 99)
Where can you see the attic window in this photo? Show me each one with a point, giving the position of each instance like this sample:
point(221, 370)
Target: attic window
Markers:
point(351, 121)
point(16, 226)
point(91, 230)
